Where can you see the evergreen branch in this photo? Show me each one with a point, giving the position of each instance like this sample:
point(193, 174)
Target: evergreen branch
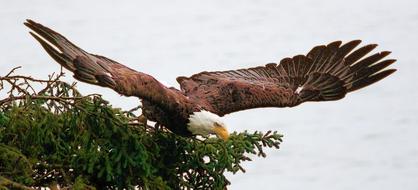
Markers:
point(72, 141)
point(4, 182)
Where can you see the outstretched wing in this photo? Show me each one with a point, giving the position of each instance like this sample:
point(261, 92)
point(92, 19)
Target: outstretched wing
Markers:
point(96, 69)
point(325, 73)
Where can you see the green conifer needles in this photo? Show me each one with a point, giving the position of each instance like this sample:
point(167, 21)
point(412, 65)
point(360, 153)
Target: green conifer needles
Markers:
point(56, 137)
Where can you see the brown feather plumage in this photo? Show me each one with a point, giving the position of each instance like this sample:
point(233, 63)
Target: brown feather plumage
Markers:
point(102, 71)
point(325, 73)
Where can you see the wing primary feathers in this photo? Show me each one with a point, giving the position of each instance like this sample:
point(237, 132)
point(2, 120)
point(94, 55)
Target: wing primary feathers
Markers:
point(370, 79)
point(368, 72)
point(358, 54)
point(62, 59)
point(369, 60)
point(86, 67)
point(348, 47)
point(59, 41)
point(99, 70)
point(327, 72)
point(349, 73)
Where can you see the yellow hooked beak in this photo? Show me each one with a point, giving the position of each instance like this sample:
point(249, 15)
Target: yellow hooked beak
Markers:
point(221, 131)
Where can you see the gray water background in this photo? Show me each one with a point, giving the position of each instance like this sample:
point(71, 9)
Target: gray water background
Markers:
point(366, 141)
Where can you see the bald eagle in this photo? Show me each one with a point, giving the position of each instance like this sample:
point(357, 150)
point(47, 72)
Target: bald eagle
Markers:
point(326, 73)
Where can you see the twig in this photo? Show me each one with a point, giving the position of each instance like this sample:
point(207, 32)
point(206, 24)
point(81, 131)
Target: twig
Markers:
point(133, 109)
point(13, 70)
point(35, 97)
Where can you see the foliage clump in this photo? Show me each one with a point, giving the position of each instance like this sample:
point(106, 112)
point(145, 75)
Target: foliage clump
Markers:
point(57, 137)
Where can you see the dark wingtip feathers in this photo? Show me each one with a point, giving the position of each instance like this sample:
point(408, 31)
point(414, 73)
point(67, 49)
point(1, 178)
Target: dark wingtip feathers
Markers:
point(58, 56)
point(28, 22)
point(357, 70)
point(368, 70)
point(371, 79)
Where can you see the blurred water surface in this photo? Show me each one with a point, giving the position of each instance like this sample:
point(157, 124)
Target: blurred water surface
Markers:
point(366, 141)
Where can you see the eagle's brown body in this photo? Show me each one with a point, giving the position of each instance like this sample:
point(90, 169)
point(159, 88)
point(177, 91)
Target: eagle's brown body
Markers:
point(325, 73)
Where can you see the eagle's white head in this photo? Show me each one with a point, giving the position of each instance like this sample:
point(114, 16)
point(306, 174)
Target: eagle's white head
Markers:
point(206, 123)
